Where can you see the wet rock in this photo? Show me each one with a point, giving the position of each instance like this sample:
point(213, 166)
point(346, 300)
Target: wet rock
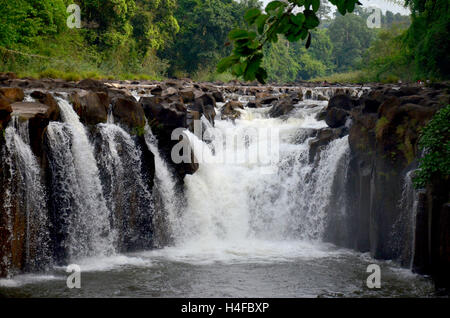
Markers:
point(207, 103)
point(12, 94)
point(187, 94)
point(282, 107)
point(336, 117)
point(92, 107)
point(47, 99)
point(231, 110)
point(344, 102)
point(169, 91)
point(268, 100)
point(91, 84)
point(253, 104)
point(323, 138)
point(128, 112)
point(157, 90)
point(5, 112)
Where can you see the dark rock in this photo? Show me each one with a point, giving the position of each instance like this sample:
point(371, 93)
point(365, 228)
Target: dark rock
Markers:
point(268, 100)
point(341, 102)
point(282, 107)
point(336, 117)
point(187, 94)
point(5, 112)
point(92, 84)
point(128, 112)
point(12, 94)
point(53, 112)
point(207, 103)
point(92, 107)
point(230, 110)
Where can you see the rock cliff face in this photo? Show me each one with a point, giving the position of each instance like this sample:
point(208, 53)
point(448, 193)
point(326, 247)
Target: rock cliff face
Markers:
point(383, 136)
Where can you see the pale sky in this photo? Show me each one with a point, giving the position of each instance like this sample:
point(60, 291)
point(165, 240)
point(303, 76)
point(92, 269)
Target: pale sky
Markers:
point(382, 4)
point(386, 5)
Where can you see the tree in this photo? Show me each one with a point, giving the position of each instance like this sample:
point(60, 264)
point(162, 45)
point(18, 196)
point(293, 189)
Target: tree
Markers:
point(350, 37)
point(279, 18)
point(22, 20)
point(427, 38)
point(204, 25)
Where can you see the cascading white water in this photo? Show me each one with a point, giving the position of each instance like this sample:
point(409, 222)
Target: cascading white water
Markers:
point(77, 188)
point(165, 186)
point(243, 205)
point(403, 232)
point(24, 192)
point(125, 190)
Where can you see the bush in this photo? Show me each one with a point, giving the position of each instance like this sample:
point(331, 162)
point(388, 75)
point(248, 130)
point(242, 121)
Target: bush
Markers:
point(435, 141)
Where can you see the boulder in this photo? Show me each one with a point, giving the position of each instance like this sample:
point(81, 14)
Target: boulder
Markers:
point(169, 116)
point(12, 94)
point(91, 84)
point(5, 112)
point(231, 110)
point(53, 112)
point(169, 91)
point(207, 103)
point(336, 117)
point(341, 101)
point(187, 94)
point(128, 112)
point(92, 107)
point(268, 100)
point(282, 107)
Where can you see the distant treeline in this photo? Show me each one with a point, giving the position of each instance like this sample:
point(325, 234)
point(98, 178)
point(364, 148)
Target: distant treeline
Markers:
point(186, 38)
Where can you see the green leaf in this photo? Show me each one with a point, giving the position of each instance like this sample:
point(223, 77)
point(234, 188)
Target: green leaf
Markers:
point(226, 63)
point(261, 75)
point(237, 34)
point(315, 5)
point(261, 22)
point(251, 15)
point(298, 19)
point(311, 20)
point(274, 5)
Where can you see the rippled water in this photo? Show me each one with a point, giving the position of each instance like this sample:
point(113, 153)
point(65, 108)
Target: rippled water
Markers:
point(258, 269)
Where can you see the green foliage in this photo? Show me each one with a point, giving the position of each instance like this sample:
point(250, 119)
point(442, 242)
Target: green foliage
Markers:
point(204, 26)
point(387, 59)
point(427, 38)
point(280, 18)
point(351, 38)
point(348, 77)
point(22, 20)
point(435, 140)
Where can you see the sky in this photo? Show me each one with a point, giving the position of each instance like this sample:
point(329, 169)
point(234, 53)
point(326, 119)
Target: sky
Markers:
point(382, 4)
point(386, 5)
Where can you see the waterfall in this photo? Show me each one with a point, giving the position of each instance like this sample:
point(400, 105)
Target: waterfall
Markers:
point(24, 203)
point(243, 201)
point(403, 232)
point(125, 190)
point(166, 188)
point(80, 207)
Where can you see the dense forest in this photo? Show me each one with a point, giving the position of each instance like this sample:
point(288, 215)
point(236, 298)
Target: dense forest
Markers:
point(139, 39)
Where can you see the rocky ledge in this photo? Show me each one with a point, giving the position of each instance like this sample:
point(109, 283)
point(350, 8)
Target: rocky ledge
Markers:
point(385, 125)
